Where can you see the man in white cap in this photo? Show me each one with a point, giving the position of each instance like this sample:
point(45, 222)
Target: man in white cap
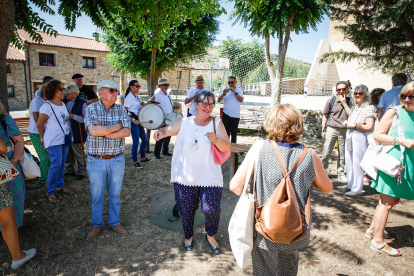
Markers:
point(191, 94)
point(76, 107)
point(165, 102)
point(107, 124)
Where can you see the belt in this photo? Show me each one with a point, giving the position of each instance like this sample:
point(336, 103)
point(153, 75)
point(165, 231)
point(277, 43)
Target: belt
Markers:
point(106, 156)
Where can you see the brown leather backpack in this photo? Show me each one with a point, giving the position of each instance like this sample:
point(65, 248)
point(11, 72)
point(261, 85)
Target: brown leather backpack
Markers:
point(280, 220)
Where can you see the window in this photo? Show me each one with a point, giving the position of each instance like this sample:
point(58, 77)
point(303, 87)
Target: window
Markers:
point(89, 62)
point(10, 91)
point(46, 59)
point(8, 71)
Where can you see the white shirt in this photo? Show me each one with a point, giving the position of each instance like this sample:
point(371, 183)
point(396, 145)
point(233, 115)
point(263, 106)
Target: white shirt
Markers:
point(53, 133)
point(231, 104)
point(133, 103)
point(165, 102)
point(191, 94)
point(195, 168)
point(35, 106)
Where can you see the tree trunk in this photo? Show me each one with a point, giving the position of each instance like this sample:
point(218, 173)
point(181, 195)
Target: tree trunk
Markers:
point(148, 79)
point(270, 67)
point(283, 44)
point(122, 83)
point(151, 88)
point(7, 14)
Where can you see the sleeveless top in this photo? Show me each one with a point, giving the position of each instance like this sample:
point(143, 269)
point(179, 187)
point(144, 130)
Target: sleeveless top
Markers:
point(386, 184)
point(269, 175)
point(195, 168)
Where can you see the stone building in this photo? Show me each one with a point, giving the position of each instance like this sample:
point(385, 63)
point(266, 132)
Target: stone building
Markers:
point(59, 57)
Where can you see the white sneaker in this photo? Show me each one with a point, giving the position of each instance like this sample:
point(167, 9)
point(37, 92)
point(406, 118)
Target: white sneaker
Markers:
point(342, 178)
point(342, 187)
point(29, 255)
point(350, 193)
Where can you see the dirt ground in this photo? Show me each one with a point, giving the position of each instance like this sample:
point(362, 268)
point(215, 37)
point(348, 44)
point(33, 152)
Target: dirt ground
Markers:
point(338, 245)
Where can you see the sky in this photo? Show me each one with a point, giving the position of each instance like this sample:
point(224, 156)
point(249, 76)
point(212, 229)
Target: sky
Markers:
point(301, 46)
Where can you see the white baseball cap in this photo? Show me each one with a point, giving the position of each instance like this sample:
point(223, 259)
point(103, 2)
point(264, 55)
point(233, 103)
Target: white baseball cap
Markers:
point(107, 84)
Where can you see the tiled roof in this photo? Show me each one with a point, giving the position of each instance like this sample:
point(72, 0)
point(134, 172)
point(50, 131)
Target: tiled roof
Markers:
point(14, 54)
point(66, 41)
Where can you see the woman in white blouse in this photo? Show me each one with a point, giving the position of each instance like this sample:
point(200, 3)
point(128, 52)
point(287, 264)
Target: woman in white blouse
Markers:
point(195, 175)
point(133, 104)
point(360, 121)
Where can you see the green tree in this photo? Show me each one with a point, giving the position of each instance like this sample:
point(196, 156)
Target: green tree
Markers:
point(126, 53)
point(243, 56)
point(382, 30)
point(279, 18)
point(152, 20)
point(18, 14)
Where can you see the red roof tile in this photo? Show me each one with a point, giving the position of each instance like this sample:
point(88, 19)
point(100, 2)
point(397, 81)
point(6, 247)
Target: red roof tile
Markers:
point(66, 41)
point(14, 54)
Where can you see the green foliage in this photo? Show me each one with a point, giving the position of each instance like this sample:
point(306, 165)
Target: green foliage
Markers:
point(383, 32)
point(186, 39)
point(270, 17)
point(30, 21)
point(244, 56)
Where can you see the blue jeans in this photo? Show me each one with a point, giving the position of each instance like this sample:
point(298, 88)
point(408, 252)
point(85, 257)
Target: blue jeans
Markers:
point(100, 172)
point(137, 132)
point(57, 156)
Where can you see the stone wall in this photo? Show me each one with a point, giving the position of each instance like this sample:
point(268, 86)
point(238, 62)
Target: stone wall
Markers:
point(16, 78)
point(312, 123)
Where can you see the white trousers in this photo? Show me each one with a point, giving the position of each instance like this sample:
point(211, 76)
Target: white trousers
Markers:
point(354, 174)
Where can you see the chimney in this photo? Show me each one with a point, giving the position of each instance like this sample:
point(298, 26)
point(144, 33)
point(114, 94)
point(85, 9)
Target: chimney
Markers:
point(96, 36)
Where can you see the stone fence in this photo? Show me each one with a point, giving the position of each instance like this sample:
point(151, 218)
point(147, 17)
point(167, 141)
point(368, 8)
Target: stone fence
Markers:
point(312, 122)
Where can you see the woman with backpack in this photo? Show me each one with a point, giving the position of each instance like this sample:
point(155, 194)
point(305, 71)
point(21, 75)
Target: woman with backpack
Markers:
point(284, 124)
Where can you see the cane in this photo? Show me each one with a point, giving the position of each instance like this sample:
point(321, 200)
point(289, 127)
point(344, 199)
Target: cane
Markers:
point(83, 149)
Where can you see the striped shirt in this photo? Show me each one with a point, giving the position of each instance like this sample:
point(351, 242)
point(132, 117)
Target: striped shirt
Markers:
point(101, 145)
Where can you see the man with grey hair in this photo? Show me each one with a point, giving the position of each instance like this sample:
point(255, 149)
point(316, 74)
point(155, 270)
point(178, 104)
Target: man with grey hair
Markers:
point(76, 107)
point(107, 124)
point(336, 111)
point(391, 97)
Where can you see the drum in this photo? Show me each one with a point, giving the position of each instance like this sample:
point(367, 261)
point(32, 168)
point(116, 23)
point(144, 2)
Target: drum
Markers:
point(172, 118)
point(151, 116)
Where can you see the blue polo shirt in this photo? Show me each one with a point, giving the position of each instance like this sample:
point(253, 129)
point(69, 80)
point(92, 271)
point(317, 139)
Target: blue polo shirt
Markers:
point(390, 98)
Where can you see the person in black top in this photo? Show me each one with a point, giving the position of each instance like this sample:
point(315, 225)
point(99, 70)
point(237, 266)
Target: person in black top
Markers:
point(85, 91)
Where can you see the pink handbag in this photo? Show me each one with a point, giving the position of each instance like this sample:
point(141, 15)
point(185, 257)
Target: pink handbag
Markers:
point(219, 157)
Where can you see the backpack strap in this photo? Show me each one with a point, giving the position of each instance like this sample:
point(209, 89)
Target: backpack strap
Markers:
point(282, 163)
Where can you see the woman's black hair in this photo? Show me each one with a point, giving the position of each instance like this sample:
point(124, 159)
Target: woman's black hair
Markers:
point(129, 87)
point(200, 96)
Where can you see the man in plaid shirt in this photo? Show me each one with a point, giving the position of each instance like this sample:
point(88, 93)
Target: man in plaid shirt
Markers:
point(107, 124)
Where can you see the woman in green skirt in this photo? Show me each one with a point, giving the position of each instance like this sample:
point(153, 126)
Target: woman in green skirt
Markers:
point(42, 153)
point(390, 190)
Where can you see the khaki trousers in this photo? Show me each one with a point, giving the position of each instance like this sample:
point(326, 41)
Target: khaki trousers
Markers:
point(334, 134)
point(76, 153)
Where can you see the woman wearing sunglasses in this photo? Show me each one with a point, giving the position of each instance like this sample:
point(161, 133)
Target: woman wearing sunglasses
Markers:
point(53, 125)
point(390, 190)
point(133, 104)
point(195, 175)
point(361, 120)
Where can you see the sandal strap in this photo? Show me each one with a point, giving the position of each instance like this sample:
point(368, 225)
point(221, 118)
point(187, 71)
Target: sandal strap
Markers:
point(378, 246)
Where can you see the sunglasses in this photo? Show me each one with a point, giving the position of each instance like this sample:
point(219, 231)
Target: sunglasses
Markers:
point(231, 82)
point(112, 90)
point(62, 89)
point(208, 105)
point(341, 89)
point(137, 86)
point(403, 97)
point(165, 85)
point(359, 93)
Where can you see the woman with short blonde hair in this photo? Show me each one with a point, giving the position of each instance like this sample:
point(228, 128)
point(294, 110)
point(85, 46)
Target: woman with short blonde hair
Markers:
point(285, 126)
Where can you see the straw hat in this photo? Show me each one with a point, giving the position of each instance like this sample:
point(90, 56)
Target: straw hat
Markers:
point(175, 105)
point(199, 79)
point(163, 81)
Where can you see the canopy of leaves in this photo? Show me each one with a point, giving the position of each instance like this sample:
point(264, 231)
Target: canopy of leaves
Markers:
point(382, 30)
point(128, 54)
point(30, 21)
point(270, 17)
point(244, 56)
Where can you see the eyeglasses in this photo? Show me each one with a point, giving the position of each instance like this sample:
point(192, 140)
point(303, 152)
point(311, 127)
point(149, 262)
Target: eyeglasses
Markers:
point(231, 82)
point(204, 104)
point(137, 86)
point(165, 85)
point(403, 97)
point(112, 90)
point(341, 89)
point(62, 89)
point(359, 93)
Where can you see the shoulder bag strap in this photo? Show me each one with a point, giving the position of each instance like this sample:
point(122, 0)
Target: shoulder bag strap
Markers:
point(282, 163)
point(331, 104)
point(57, 119)
point(214, 124)
point(400, 131)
